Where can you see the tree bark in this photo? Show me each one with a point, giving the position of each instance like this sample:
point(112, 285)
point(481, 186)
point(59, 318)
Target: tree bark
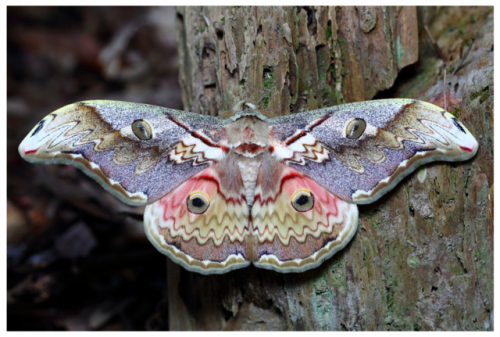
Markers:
point(423, 254)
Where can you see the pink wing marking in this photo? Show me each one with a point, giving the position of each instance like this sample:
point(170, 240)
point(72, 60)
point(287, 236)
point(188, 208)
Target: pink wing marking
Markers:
point(291, 181)
point(175, 203)
point(30, 151)
point(288, 240)
point(211, 242)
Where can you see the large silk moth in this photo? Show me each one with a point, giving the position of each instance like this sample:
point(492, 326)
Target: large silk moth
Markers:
point(222, 193)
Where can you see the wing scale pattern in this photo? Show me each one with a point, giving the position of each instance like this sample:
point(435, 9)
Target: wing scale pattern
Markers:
point(224, 193)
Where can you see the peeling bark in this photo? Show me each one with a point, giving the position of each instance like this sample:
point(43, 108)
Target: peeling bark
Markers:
point(423, 255)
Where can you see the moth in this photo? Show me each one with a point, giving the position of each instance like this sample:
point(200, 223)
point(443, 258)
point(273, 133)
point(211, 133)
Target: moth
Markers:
point(222, 193)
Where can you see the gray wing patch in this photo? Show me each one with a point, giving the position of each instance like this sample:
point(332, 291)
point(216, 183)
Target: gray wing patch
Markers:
point(97, 137)
point(396, 136)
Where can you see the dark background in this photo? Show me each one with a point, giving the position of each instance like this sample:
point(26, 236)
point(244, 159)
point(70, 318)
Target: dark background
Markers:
point(77, 258)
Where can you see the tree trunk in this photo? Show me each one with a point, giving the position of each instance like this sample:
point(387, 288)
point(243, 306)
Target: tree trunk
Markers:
point(423, 254)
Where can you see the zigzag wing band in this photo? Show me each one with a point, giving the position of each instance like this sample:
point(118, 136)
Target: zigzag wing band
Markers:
point(291, 241)
point(398, 136)
point(213, 242)
point(98, 138)
point(224, 193)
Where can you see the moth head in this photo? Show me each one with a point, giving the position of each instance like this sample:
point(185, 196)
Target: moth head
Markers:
point(142, 129)
point(355, 128)
point(198, 202)
point(302, 200)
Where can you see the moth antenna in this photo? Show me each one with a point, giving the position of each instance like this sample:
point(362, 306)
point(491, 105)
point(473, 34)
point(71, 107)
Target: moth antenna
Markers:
point(250, 105)
point(239, 106)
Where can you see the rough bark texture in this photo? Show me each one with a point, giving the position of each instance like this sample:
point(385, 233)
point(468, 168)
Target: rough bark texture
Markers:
point(291, 59)
point(423, 255)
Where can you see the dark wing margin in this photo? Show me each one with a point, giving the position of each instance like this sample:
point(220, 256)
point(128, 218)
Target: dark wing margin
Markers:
point(97, 137)
point(399, 136)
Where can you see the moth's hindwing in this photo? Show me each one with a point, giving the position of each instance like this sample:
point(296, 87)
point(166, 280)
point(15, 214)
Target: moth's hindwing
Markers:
point(208, 241)
point(310, 169)
point(137, 152)
point(297, 224)
point(360, 151)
